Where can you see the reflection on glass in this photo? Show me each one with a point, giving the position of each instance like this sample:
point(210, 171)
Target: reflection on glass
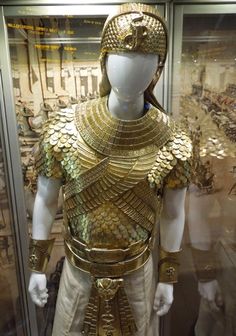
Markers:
point(11, 321)
point(54, 66)
point(206, 104)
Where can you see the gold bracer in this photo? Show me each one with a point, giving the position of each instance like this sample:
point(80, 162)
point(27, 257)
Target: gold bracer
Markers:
point(39, 254)
point(168, 266)
point(205, 263)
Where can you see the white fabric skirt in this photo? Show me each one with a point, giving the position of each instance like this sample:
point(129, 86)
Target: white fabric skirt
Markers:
point(74, 292)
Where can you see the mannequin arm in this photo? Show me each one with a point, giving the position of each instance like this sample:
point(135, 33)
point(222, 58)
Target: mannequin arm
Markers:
point(172, 219)
point(45, 209)
point(199, 230)
point(200, 237)
point(171, 232)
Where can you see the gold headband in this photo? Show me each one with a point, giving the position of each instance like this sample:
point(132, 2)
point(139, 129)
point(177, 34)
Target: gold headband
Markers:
point(135, 27)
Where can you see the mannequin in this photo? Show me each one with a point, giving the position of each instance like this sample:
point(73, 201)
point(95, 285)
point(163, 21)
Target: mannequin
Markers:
point(129, 75)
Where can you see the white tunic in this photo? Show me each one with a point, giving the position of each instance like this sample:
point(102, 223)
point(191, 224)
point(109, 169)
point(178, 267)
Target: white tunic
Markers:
point(74, 293)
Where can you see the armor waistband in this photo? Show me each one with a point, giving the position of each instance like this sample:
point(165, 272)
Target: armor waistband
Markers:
point(104, 255)
point(108, 311)
point(106, 269)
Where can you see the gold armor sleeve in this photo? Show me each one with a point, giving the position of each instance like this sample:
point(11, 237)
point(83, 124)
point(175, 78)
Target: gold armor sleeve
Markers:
point(49, 149)
point(45, 162)
point(172, 168)
point(180, 175)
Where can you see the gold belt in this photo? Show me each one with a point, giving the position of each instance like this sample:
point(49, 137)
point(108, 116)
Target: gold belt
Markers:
point(105, 255)
point(103, 269)
point(108, 311)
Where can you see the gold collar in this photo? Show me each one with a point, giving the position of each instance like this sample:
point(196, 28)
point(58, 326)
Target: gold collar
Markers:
point(114, 137)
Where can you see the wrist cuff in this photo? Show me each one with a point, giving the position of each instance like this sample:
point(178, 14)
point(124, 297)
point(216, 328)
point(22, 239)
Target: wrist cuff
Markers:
point(168, 266)
point(39, 254)
point(205, 264)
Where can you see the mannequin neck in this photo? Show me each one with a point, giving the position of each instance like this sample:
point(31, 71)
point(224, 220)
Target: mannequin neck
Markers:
point(125, 110)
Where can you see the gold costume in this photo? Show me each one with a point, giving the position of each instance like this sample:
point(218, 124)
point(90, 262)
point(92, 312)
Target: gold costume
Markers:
point(114, 173)
point(112, 189)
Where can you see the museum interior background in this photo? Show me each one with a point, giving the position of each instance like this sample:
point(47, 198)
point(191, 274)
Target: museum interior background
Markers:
point(49, 61)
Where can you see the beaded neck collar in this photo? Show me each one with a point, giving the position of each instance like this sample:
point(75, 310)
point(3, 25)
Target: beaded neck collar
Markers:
point(111, 136)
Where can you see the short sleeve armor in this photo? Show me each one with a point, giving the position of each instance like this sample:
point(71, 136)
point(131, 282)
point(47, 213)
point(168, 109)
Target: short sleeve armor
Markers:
point(180, 175)
point(47, 160)
point(172, 168)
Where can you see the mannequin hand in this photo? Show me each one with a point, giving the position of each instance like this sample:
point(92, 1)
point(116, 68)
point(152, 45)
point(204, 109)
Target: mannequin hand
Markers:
point(163, 298)
point(37, 289)
point(210, 291)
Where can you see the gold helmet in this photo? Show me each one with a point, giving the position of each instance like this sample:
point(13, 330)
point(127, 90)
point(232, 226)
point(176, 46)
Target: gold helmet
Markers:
point(135, 27)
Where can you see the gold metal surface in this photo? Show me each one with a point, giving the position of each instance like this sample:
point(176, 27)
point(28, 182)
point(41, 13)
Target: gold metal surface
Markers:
point(139, 28)
point(113, 173)
point(103, 255)
point(108, 166)
point(108, 311)
point(39, 254)
point(112, 270)
point(135, 27)
point(168, 266)
point(121, 138)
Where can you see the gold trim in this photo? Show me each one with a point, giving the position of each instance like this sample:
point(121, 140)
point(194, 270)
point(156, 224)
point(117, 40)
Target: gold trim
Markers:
point(168, 266)
point(101, 255)
point(39, 254)
point(112, 270)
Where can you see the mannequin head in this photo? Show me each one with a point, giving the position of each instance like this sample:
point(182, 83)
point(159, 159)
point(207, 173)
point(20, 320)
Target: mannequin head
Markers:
point(135, 28)
point(130, 73)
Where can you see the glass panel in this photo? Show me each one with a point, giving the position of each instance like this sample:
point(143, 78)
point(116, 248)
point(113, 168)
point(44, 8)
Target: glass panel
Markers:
point(204, 99)
point(54, 66)
point(11, 322)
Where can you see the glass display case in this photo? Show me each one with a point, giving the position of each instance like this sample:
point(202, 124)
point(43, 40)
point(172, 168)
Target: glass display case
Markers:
point(204, 99)
point(50, 62)
point(54, 62)
point(55, 66)
point(12, 314)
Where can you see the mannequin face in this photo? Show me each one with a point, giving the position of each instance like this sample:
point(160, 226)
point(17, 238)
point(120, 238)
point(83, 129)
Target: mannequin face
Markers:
point(130, 73)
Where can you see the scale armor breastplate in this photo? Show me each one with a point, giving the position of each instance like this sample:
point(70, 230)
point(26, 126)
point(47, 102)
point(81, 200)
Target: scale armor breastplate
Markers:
point(113, 171)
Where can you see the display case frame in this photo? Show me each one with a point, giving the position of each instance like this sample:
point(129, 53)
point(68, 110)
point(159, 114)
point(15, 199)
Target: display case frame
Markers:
point(181, 321)
point(173, 12)
point(15, 191)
